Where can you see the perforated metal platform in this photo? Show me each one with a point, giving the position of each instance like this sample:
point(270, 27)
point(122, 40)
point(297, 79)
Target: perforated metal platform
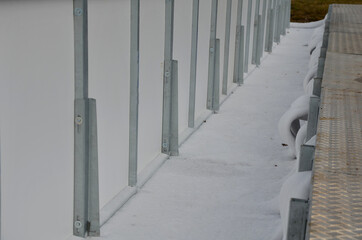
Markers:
point(336, 210)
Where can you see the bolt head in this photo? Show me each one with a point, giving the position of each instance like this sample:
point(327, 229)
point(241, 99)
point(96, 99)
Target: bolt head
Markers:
point(78, 120)
point(78, 224)
point(78, 12)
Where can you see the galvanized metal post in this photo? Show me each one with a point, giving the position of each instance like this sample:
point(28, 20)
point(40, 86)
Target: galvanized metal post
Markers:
point(237, 41)
point(170, 96)
point(278, 22)
point(259, 43)
point(134, 93)
point(86, 187)
point(271, 31)
point(193, 62)
point(247, 37)
point(306, 158)
point(283, 17)
point(216, 83)
point(212, 55)
point(263, 27)
point(298, 217)
point(317, 87)
point(256, 31)
point(226, 46)
point(313, 117)
point(93, 224)
point(268, 20)
point(239, 65)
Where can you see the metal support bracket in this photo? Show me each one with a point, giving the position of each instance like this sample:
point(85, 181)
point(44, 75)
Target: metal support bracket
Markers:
point(313, 117)
point(317, 87)
point(320, 69)
point(257, 25)
point(170, 109)
point(306, 158)
point(227, 45)
point(193, 62)
point(86, 187)
point(212, 101)
point(134, 93)
point(213, 95)
point(298, 218)
point(247, 37)
point(259, 42)
point(169, 142)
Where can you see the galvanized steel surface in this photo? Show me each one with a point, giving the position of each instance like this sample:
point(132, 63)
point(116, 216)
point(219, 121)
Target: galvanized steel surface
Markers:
point(337, 181)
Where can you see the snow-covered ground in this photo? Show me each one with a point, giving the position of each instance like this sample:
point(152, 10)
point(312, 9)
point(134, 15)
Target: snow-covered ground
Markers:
point(226, 181)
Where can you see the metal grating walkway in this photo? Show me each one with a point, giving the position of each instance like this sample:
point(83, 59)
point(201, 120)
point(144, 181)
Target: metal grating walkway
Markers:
point(336, 210)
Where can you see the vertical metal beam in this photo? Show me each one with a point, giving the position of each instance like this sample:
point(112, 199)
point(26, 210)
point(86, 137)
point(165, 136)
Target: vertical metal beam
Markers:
point(212, 54)
point(169, 143)
point(278, 22)
point(317, 87)
point(80, 8)
point(298, 217)
point(255, 33)
point(134, 93)
point(259, 42)
point(263, 24)
point(268, 20)
point(306, 158)
point(93, 224)
point(193, 62)
point(216, 84)
point(80, 217)
point(313, 117)
point(226, 46)
point(271, 31)
point(247, 37)
point(86, 189)
point(237, 41)
point(283, 17)
point(239, 55)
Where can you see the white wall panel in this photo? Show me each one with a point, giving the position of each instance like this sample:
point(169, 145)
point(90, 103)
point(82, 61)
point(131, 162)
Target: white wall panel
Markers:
point(109, 76)
point(36, 112)
point(152, 24)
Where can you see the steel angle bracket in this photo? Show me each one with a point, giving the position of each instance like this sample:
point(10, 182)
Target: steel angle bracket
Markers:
point(313, 115)
point(306, 158)
point(86, 186)
point(170, 109)
point(297, 219)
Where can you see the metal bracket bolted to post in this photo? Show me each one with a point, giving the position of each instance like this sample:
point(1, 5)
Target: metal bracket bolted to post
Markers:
point(237, 40)
point(313, 117)
point(306, 158)
point(213, 98)
point(227, 46)
point(297, 219)
point(86, 186)
point(257, 25)
point(239, 57)
point(169, 142)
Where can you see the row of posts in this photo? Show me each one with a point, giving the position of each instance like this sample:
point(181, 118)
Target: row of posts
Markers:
point(273, 20)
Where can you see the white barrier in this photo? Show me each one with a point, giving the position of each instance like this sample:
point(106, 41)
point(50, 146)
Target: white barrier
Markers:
point(37, 100)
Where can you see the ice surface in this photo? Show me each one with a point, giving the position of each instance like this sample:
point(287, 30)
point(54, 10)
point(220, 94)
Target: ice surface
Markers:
point(226, 182)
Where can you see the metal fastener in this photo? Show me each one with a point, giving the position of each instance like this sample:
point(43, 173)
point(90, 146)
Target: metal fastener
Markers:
point(78, 12)
point(78, 120)
point(77, 224)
